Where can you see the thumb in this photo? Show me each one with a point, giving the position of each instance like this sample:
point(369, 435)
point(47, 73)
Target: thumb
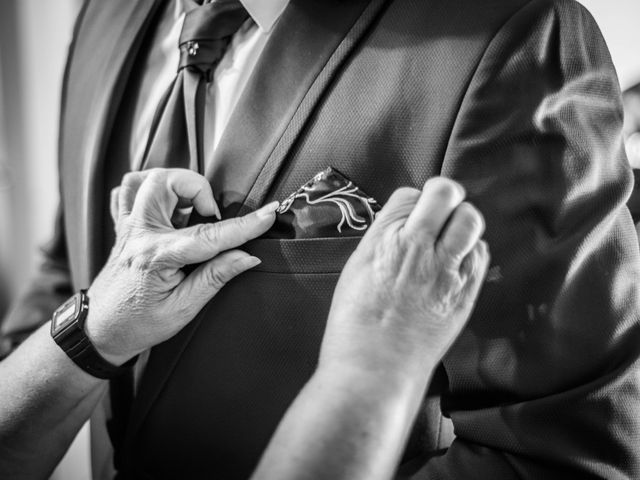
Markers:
point(207, 280)
point(162, 190)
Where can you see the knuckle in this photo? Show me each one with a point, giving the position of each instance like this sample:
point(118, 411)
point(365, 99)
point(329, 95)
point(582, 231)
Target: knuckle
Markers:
point(449, 256)
point(202, 181)
point(417, 238)
point(241, 223)
point(142, 253)
point(476, 262)
point(471, 271)
point(157, 175)
point(403, 193)
point(148, 257)
point(447, 294)
point(483, 251)
point(403, 196)
point(215, 278)
point(209, 232)
point(128, 178)
point(238, 228)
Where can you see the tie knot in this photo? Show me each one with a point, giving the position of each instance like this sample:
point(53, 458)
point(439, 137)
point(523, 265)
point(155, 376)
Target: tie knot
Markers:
point(206, 33)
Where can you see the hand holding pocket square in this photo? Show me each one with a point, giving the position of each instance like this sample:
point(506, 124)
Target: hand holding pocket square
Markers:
point(143, 296)
point(409, 288)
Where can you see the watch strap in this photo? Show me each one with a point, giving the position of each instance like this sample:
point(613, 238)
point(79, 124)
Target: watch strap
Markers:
point(71, 337)
point(84, 354)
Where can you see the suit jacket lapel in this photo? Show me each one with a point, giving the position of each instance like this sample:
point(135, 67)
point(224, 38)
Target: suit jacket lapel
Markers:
point(120, 25)
point(306, 49)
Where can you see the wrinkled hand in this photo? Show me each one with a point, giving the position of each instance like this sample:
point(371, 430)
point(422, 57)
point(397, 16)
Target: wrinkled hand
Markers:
point(142, 296)
point(408, 289)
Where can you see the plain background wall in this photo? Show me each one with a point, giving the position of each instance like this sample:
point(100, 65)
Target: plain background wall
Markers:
point(620, 24)
point(34, 36)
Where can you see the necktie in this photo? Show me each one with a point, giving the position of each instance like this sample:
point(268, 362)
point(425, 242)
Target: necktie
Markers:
point(176, 138)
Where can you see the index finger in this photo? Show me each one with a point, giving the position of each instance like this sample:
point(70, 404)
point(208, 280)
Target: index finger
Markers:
point(201, 242)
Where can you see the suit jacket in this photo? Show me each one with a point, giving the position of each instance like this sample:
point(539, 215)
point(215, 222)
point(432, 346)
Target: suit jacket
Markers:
point(518, 101)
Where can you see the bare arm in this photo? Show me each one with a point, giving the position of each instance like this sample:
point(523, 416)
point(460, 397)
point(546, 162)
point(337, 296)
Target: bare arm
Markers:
point(44, 400)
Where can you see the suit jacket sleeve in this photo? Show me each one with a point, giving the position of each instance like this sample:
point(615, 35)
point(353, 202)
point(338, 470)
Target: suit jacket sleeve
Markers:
point(544, 381)
point(49, 289)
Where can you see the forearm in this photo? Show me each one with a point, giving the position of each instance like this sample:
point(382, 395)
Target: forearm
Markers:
point(344, 425)
point(44, 401)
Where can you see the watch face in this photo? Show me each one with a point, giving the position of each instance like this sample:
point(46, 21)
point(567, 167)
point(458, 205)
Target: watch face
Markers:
point(65, 315)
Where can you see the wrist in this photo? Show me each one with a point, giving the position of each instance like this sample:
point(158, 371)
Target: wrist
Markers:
point(60, 365)
point(377, 355)
point(68, 330)
point(104, 338)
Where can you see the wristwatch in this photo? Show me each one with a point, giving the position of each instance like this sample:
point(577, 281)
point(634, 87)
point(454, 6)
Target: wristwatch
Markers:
point(67, 329)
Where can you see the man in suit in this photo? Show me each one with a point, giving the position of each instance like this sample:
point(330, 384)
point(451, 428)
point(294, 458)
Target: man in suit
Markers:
point(517, 100)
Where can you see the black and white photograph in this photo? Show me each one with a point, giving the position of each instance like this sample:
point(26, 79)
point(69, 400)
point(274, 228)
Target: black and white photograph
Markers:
point(319, 239)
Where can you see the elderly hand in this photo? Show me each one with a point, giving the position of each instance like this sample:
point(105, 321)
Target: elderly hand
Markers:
point(408, 289)
point(142, 296)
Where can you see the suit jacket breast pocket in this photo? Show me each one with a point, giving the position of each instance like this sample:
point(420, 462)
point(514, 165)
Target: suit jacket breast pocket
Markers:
point(305, 256)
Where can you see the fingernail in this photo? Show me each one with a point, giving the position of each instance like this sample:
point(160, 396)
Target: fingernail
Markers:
point(251, 262)
point(268, 210)
point(217, 213)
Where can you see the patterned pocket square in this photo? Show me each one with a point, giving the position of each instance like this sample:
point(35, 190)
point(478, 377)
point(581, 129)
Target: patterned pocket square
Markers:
point(329, 205)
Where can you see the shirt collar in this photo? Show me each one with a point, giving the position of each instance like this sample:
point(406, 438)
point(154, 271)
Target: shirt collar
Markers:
point(265, 12)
